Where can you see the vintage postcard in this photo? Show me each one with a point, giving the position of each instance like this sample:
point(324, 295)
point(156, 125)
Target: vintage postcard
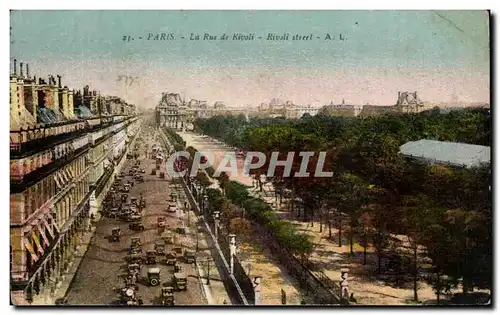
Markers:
point(241, 158)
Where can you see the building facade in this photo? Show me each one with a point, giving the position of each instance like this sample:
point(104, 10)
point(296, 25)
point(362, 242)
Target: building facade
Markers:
point(298, 112)
point(59, 164)
point(343, 110)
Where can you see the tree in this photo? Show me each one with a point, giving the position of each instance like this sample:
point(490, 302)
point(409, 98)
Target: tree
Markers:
point(203, 179)
point(223, 181)
point(365, 225)
point(241, 226)
point(416, 209)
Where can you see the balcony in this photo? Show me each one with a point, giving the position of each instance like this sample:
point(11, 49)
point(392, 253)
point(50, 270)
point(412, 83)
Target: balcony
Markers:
point(30, 179)
point(30, 141)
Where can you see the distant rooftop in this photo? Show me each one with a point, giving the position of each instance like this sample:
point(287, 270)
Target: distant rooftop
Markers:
point(452, 153)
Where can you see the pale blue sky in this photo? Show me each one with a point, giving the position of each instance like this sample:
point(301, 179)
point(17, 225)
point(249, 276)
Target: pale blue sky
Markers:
point(445, 48)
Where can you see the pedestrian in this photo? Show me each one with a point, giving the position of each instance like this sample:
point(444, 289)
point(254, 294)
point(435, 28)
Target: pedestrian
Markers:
point(225, 302)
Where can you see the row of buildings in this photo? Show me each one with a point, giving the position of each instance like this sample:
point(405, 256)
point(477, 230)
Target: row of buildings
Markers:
point(65, 147)
point(174, 112)
point(406, 102)
point(177, 113)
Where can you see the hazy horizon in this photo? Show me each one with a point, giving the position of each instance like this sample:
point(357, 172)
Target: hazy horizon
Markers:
point(443, 55)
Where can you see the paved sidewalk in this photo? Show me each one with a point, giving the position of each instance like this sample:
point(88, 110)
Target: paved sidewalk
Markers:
point(63, 286)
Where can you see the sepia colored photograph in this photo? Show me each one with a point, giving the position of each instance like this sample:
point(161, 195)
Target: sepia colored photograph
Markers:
point(178, 158)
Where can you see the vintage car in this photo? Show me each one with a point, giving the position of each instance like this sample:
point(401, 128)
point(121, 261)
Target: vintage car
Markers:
point(133, 218)
point(172, 207)
point(64, 301)
point(189, 256)
point(134, 268)
point(135, 258)
point(139, 178)
point(112, 213)
point(124, 197)
point(125, 188)
point(136, 226)
point(151, 257)
point(180, 281)
point(135, 242)
point(167, 296)
point(115, 234)
point(170, 258)
point(168, 237)
point(154, 276)
point(178, 251)
point(161, 222)
point(133, 200)
point(160, 247)
point(177, 267)
point(129, 297)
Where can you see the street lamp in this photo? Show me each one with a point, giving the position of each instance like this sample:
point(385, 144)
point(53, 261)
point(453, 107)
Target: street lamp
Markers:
point(208, 270)
point(216, 220)
point(197, 238)
point(204, 204)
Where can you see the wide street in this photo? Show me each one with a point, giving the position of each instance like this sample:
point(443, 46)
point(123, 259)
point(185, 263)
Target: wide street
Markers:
point(98, 279)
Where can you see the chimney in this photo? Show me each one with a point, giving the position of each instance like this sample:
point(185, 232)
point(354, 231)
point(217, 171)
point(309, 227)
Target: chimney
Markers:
point(399, 95)
point(15, 66)
point(59, 80)
point(28, 71)
point(21, 69)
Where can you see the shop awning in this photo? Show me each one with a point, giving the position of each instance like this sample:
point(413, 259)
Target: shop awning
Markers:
point(34, 236)
point(42, 232)
point(49, 228)
point(54, 225)
point(68, 173)
point(64, 177)
point(29, 247)
point(57, 180)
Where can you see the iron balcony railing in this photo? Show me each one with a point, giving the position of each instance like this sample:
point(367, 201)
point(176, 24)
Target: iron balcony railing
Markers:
point(26, 142)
